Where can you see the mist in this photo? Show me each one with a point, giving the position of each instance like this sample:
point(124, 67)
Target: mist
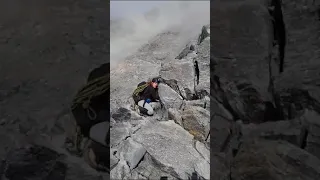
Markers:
point(129, 34)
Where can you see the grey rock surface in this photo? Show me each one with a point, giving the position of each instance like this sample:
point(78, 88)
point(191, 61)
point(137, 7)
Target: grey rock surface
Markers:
point(169, 97)
point(121, 170)
point(183, 72)
point(175, 115)
point(264, 159)
point(113, 159)
point(203, 150)
point(204, 103)
point(119, 133)
point(271, 129)
point(162, 145)
point(205, 32)
point(291, 131)
point(38, 81)
point(172, 146)
point(132, 152)
point(196, 120)
point(47, 49)
point(148, 169)
point(33, 161)
point(311, 120)
point(203, 59)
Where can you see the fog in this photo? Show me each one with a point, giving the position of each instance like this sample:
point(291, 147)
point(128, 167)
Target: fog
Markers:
point(130, 33)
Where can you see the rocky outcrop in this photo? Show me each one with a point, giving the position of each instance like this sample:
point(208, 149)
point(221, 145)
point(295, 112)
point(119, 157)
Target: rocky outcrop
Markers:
point(174, 142)
point(265, 122)
point(291, 131)
point(205, 32)
point(171, 146)
point(196, 120)
point(183, 72)
point(33, 161)
point(169, 97)
point(311, 120)
point(265, 159)
point(39, 80)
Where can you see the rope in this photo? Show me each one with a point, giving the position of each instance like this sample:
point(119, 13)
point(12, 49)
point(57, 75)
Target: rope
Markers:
point(92, 89)
point(91, 114)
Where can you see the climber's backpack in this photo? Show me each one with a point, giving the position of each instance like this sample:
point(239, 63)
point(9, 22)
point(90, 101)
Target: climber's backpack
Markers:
point(137, 92)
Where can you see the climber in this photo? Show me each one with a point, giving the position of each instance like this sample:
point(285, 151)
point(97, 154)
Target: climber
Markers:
point(146, 97)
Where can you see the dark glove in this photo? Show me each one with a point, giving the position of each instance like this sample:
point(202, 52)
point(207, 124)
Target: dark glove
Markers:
point(148, 101)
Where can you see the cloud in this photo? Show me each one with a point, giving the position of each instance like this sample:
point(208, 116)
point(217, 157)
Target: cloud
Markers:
point(127, 35)
point(120, 9)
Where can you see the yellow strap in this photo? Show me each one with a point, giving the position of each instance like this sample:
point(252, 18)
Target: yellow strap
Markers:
point(92, 89)
point(140, 89)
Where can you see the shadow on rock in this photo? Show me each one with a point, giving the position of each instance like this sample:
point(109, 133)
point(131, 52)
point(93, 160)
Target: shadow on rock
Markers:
point(34, 162)
point(122, 114)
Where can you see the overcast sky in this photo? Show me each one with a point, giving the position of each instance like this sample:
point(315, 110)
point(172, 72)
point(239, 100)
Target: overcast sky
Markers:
point(124, 8)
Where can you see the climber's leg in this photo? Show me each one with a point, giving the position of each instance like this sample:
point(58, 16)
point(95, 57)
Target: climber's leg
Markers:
point(145, 107)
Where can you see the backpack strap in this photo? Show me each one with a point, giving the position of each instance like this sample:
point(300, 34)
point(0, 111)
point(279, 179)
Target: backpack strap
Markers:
point(139, 89)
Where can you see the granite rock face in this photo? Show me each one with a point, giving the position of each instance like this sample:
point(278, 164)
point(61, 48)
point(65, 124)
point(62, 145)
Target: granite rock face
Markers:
point(172, 143)
point(264, 123)
point(47, 50)
point(34, 161)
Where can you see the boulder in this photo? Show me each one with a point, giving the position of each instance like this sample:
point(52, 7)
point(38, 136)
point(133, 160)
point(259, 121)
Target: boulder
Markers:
point(240, 49)
point(187, 51)
point(39, 162)
point(34, 162)
point(265, 159)
point(301, 62)
point(203, 59)
point(169, 97)
point(241, 99)
point(183, 72)
point(221, 122)
point(311, 120)
point(221, 168)
point(204, 103)
point(196, 120)
point(175, 115)
point(203, 150)
point(291, 131)
point(172, 147)
point(205, 32)
point(120, 171)
point(220, 130)
point(148, 169)
point(217, 109)
point(118, 133)
point(184, 52)
point(191, 55)
point(78, 171)
point(297, 97)
point(132, 152)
